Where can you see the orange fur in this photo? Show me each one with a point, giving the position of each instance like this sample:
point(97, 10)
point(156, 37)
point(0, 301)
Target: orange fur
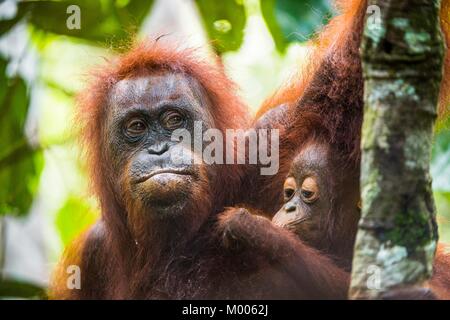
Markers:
point(58, 288)
point(145, 56)
point(332, 38)
point(325, 101)
point(440, 282)
point(444, 97)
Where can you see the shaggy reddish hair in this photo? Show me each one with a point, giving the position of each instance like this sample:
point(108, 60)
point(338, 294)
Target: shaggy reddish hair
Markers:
point(176, 260)
point(148, 56)
point(324, 104)
point(324, 100)
point(332, 38)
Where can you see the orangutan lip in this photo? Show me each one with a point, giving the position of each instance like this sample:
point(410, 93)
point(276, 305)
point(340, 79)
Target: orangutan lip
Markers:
point(294, 223)
point(299, 221)
point(160, 171)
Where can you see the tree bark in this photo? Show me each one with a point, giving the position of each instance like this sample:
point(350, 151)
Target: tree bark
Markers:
point(402, 65)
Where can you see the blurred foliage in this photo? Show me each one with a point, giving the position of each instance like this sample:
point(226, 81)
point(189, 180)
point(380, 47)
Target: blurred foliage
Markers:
point(442, 200)
point(440, 164)
point(20, 164)
point(293, 20)
point(75, 216)
point(224, 22)
point(440, 171)
point(107, 22)
point(19, 289)
point(101, 21)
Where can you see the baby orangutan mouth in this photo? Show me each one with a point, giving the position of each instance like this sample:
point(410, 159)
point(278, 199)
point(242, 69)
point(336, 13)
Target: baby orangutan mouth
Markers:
point(289, 220)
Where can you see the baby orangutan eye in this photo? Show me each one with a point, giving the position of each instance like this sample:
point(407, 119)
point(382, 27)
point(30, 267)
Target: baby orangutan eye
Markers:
point(289, 188)
point(309, 190)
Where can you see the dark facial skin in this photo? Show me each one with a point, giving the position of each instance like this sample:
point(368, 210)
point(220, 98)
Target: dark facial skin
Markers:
point(143, 114)
point(322, 202)
point(306, 194)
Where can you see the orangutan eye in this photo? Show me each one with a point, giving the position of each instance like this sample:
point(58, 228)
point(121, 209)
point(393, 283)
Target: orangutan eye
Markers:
point(309, 190)
point(307, 194)
point(289, 188)
point(172, 120)
point(135, 128)
point(288, 193)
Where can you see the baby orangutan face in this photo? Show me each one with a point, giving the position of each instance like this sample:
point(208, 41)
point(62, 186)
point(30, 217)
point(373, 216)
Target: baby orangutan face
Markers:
point(321, 199)
point(306, 193)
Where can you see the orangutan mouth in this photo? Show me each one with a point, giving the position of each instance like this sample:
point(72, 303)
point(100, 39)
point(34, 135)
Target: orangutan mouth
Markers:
point(162, 171)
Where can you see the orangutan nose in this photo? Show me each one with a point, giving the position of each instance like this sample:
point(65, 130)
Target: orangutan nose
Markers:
point(158, 149)
point(290, 207)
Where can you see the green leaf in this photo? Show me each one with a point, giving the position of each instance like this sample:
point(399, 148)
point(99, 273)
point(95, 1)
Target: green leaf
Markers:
point(293, 20)
point(10, 288)
point(133, 12)
point(20, 165)
point(7, 24)
point(75, 216)
point(224, 22)
point(100, 21)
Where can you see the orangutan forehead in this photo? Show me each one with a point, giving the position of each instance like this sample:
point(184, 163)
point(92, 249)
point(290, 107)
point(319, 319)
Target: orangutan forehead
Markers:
point(313, 155)
point(153, 88)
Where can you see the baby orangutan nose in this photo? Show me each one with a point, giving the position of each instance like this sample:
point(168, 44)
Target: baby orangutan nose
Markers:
point(289, 216)
point(290, 207)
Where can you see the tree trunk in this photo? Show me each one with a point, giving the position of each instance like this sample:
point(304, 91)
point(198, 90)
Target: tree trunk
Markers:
point(402, 65)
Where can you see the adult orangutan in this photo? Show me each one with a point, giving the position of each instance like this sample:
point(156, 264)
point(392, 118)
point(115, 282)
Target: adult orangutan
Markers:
point(320, 116)
point(164, 230)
